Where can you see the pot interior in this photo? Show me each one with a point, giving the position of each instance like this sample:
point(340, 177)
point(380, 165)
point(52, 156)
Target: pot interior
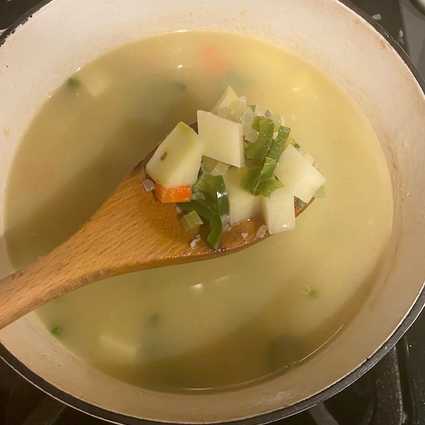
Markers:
point(354, 58)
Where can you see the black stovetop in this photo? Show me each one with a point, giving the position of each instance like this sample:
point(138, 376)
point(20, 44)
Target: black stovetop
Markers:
point(392, 393)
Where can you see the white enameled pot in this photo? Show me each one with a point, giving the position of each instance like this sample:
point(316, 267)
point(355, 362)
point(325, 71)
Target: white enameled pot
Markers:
point(61, 35)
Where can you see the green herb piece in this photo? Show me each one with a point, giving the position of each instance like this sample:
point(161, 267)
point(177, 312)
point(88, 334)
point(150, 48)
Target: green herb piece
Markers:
point(311, 292)
point(278, 144)
point(56, 330)
point(260, 180)
point(258, 120)
point(215, 192)
point(267, 187)
point(249, 179)
point(216, 231)
point(192, 222)
point(210, 216)
point(258, 150)
point(260, 175)
point(73, 83)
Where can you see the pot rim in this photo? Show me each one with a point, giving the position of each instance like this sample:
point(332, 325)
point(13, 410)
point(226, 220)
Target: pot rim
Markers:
point(119, 418)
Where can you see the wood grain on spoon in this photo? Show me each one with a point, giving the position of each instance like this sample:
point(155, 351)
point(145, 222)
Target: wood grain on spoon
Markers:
point(131, 231)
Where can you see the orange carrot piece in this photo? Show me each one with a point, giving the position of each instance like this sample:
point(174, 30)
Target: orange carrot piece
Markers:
point(214, 61)
point(173, 195)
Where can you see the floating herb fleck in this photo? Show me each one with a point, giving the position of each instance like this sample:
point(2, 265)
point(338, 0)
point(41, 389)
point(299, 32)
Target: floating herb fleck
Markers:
point(73, 83)
point(311, 292)
point(56, 330)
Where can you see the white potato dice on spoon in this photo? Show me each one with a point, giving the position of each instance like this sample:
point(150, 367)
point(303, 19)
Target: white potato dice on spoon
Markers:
point(279, 211)
point(177, 160)
point(222, 138)
point(243, 205)
point(298, 175)
point(228, 97)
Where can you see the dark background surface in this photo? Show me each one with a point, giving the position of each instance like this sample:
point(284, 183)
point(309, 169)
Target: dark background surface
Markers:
point(393, 393)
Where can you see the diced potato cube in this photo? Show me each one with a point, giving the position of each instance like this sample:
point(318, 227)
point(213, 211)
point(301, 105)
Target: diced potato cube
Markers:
point(177, 160)
point(298, 175)
point(225, 100)
point(279, 211)
point(223, 139)
point(243, 205)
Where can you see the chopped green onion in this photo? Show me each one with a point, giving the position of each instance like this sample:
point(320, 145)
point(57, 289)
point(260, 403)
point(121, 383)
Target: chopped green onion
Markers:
point(258, 150)
point(73, 82)
point(210, 216)
point(278, 144)
point(260, 180)
point(192, 222)
point(214, 190)
point(261, 175)
point(258, 120)
point(267, 187)
point(56, 330)
point(216, 231)
point(213, 209)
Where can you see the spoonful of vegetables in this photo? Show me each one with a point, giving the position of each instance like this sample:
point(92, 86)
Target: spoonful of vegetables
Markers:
point(240, 178)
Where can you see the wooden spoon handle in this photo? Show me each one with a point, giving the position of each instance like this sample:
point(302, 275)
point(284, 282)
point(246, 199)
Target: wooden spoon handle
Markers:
point(129, 232)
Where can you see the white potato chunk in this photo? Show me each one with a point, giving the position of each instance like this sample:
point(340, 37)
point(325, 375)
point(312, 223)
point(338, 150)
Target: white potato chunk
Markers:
point(279, 211)
point(230, 106)
point(228, 97)
point(298, 175)
point(223, 139)
point(243, 205)
point(177, 160)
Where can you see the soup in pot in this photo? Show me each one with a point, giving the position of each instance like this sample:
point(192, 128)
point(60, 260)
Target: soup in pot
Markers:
point(222, 322)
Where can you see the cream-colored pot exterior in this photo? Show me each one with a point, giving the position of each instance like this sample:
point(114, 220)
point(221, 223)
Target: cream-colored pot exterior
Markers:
point(65, 34)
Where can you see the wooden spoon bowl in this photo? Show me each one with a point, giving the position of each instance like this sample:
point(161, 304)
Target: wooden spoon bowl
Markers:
point(131, 231)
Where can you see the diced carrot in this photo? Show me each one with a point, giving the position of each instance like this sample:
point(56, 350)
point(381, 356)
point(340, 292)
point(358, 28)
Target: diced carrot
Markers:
point(214, 61)
point(173, 195)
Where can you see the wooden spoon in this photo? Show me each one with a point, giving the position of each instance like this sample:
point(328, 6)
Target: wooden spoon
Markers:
point(131, 231)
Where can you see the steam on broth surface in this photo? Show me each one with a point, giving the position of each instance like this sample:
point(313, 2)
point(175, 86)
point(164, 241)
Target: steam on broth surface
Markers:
point(226, 321)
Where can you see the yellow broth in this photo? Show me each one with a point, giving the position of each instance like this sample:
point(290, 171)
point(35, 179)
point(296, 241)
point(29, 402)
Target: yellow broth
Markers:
point(222, 322)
